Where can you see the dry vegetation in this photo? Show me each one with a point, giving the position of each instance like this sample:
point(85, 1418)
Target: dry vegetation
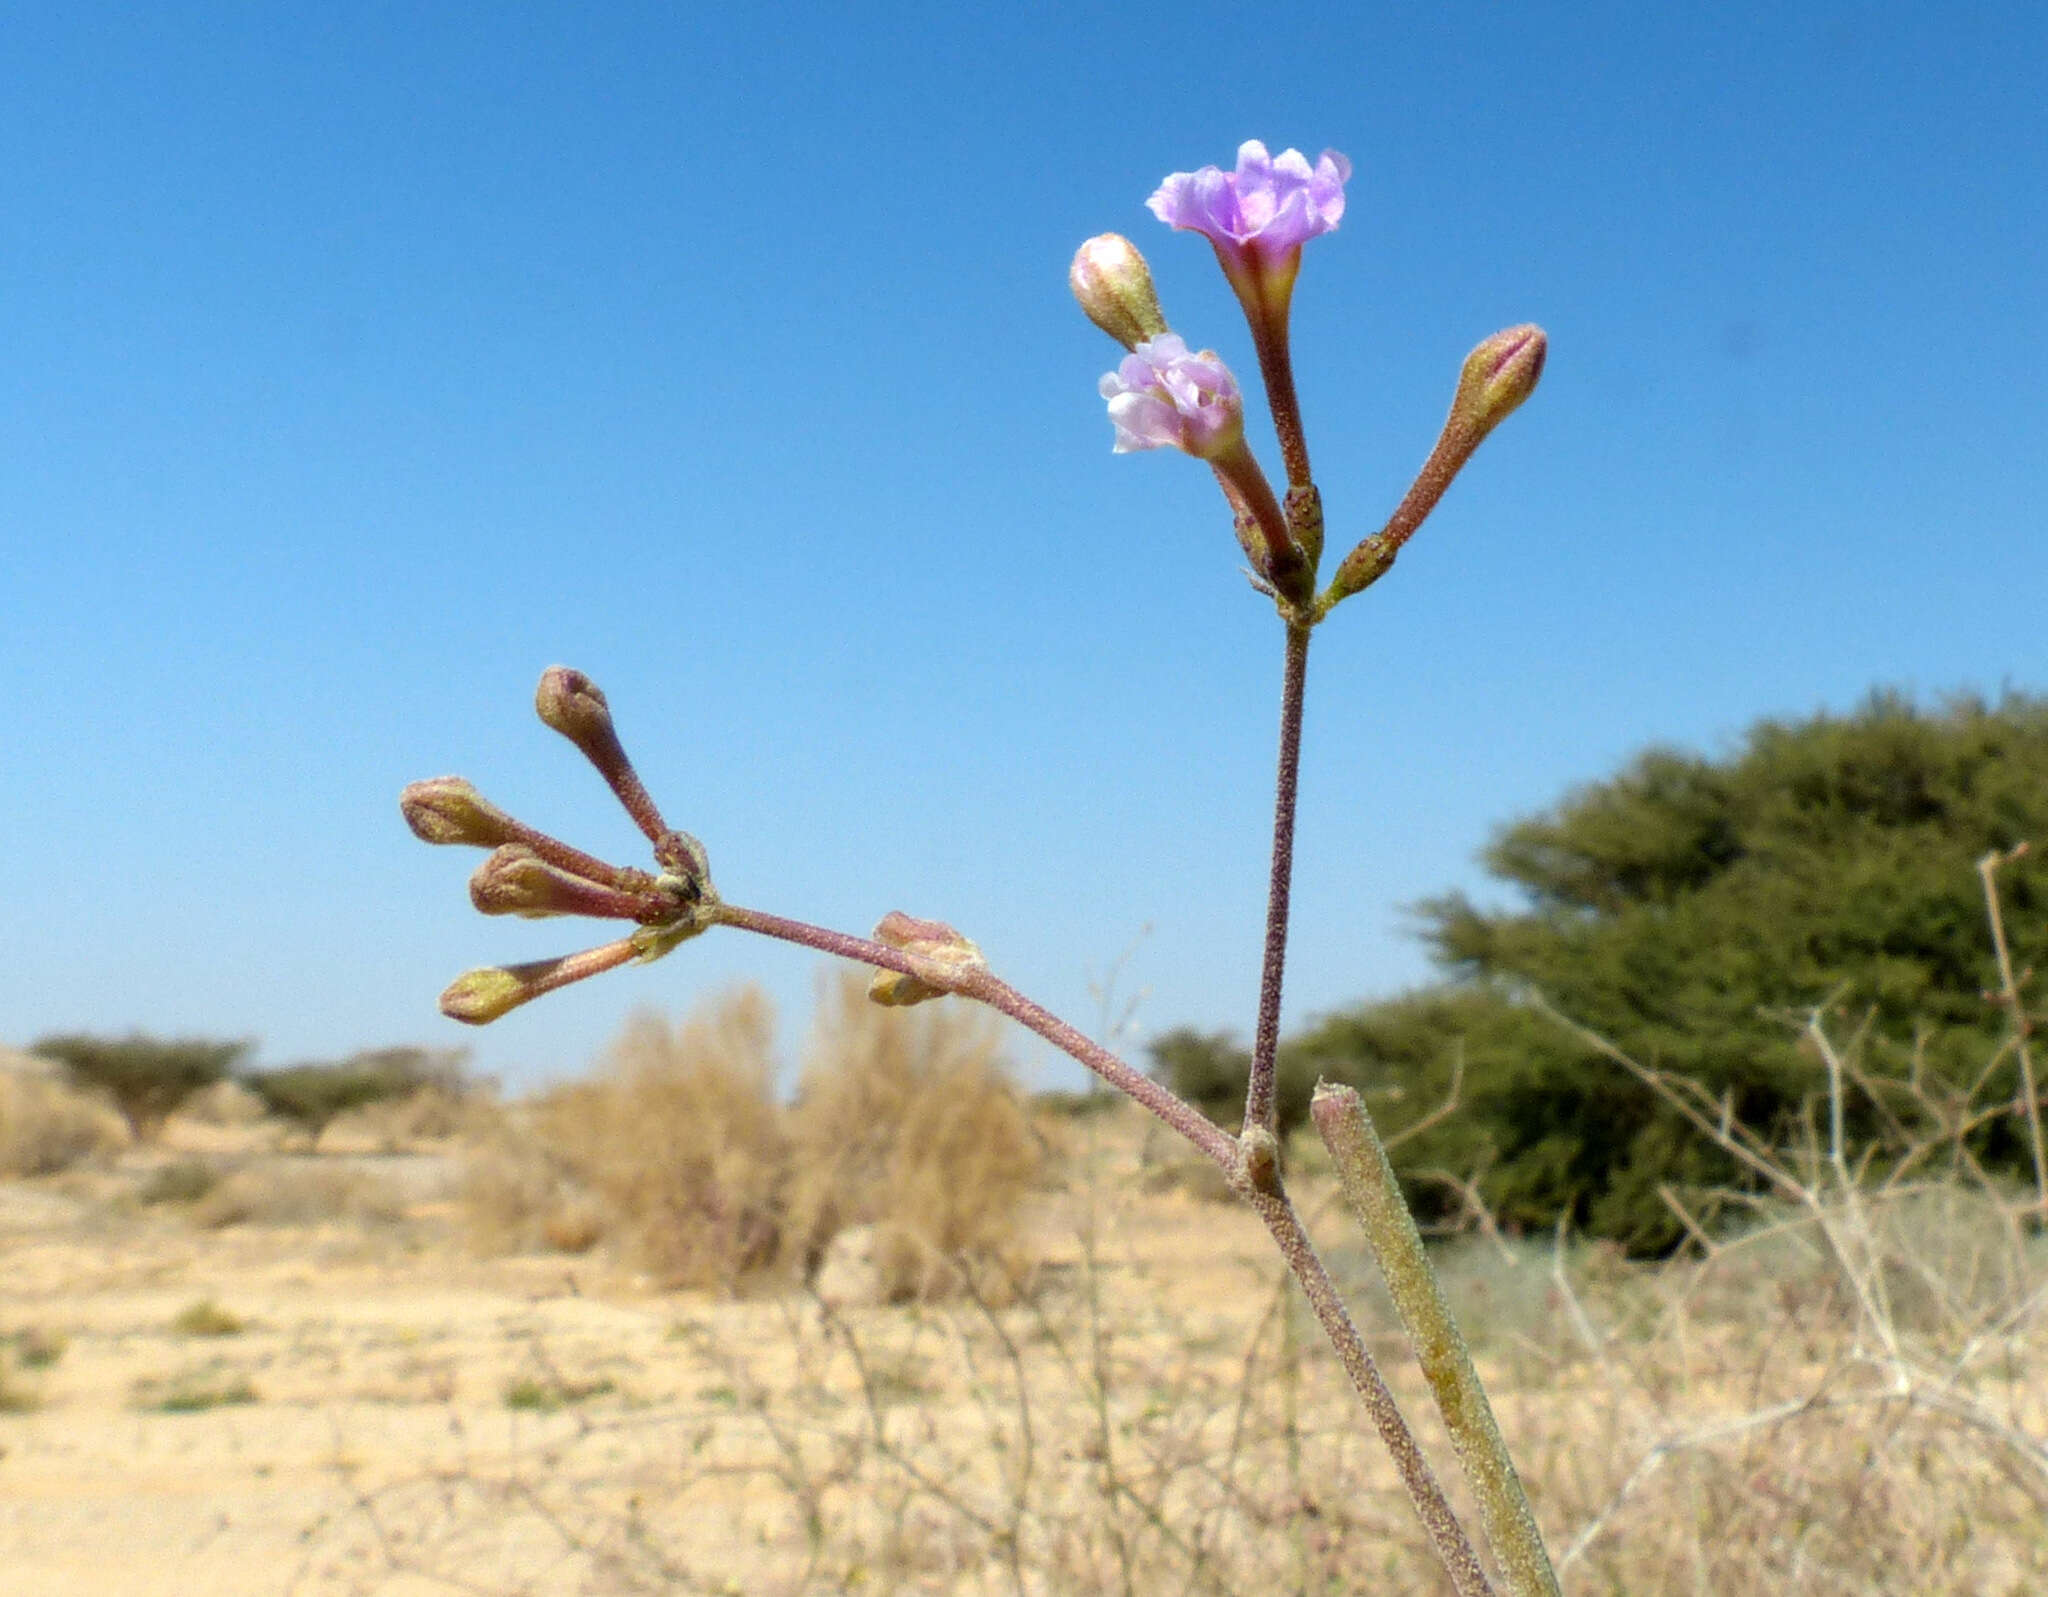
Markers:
point(46, 1127)
point(904, 1128)
point(301, 1373)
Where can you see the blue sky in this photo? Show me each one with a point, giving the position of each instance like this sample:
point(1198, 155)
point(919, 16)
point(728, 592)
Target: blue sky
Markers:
point(358, 362)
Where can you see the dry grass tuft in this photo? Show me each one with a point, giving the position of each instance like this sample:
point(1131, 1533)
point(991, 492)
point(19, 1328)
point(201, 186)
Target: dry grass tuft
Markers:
point(906, 1121)
point(676, 1150)
point(47, 1126)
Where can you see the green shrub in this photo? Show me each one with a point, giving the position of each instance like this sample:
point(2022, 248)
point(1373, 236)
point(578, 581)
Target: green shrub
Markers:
point(534, 1394)
point(313, 1095)
point(1683, 909)
point(195, 1391)
point(207, 1318)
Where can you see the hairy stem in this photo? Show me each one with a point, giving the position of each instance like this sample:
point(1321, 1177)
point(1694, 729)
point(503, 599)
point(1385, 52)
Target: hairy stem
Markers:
point(1276, 367)
point(1367, 1176)
point(1259, 1106)
point(1446, 1536)
point(986, 988)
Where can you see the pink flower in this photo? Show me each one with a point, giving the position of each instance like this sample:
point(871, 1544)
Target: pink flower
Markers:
point(1264, 210)
point(1258, 217)
point(1162, 397)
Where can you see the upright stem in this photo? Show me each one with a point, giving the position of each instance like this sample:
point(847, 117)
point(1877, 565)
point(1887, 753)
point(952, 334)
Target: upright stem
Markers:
point(1259, 1108)
point(1277, 368)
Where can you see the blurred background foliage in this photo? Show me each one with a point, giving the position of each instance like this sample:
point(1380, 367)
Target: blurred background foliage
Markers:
point(1693, 911)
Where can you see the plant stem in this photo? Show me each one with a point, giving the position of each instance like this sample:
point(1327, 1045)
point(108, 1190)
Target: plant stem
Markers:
point(1276, 367)
point(1268, 1198)
point(999, 995)
point(1447, 1537)
point(1259, 1105)
point(1367, 1176)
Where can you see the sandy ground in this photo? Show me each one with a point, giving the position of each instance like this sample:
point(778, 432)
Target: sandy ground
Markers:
point(363, 1407)
point(372, 1396)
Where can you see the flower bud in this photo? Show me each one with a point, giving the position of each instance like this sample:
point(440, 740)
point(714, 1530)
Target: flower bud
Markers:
point(517, 881)
point(574, 706)
point(1498, 376)
point(478, 997)
point(1111, 280)
point(446, 809)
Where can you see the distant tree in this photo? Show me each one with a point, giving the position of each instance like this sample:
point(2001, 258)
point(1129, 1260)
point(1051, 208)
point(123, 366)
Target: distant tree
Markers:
point(312, 1096)
point(147, 1078)
point(1683, 909)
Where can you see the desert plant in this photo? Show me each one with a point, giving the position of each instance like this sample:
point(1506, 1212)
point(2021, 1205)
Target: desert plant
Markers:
point(145, 1078)
point(1678, 908)
point(47, 1126)
point(679, 1140)
point(907, 1122)
point(312, 1096)
point(205, 1317)
point(1161, 395)
point(37, 1347)
point(195, 1391)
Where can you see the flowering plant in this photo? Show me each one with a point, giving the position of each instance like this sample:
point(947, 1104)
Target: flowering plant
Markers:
point(1161, 395)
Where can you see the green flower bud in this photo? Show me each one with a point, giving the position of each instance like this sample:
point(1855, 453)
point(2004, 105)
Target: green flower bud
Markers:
point(446, 809)
point(1497, 377)
point(1501, 373)
point(1114, 285)
point(478, 997)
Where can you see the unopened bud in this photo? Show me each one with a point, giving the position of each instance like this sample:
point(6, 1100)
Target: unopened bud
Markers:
point(446, 809)
point(1501, 373)
point(574, 706)
point(939, 953)
point(478, 997)
point(1114, 285)
point(1497, 377)
point(517, 881)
